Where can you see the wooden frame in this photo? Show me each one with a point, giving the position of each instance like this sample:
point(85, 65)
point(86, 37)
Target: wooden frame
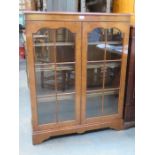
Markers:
point(81, 25)
point(87, 28)
point(33, 27)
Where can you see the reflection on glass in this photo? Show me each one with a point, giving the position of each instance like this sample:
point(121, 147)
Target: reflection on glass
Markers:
point(114, 44)
point(95, 53)
point(66, 107)
point(101, 104)
point(95, 38)
point(105, 40)
point(103, 44)
point(114, 34)
point(96, 35)
point(114, 53)
point(103, 71)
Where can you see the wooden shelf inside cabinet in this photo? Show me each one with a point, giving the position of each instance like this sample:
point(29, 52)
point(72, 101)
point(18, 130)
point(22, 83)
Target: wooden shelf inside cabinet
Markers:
point(40, 36)
point(46, 67)
point(53, 44)
point(76, 80)
point(107, 65)
point(71, 43)
point(103, 42)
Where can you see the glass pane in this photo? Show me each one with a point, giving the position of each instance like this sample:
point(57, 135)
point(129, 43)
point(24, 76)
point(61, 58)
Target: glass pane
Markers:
point(42, 54)
point(66, 107)
point(110, 105)
point(95, 76)
point(46, 110)
point(103, 45)
point(114, 44)
point(45, 79)
point(109, 73)
point(65, 78)
point(102, 104)
point(112, 75)
point(55, 74)
point(95, 39)
point(62, 41)
point(94, 105)
point(43, 43)
point(65, 45)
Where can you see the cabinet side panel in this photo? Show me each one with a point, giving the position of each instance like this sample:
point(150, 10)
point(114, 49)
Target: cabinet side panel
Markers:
point(31, 73)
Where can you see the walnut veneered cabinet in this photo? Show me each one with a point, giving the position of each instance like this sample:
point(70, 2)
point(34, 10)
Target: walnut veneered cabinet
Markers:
point(76, 70)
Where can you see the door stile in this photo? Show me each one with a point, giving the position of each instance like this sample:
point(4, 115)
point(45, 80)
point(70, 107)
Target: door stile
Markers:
point(123, 72)
point(84, 66)
point(31, 77)
point(75, 28)
point(87, 27)
point(78, 75)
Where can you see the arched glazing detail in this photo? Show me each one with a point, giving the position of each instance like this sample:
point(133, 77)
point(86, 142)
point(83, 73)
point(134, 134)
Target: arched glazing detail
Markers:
point(114, 44)
point(54, 51)
point(95, 38)
point(104, 54)
point(47, 39)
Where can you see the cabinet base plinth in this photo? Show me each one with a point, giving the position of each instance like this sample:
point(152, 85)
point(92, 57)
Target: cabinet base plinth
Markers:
point(42, 135)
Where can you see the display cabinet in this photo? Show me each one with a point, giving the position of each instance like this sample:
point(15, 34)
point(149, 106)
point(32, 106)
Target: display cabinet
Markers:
point(76, 67)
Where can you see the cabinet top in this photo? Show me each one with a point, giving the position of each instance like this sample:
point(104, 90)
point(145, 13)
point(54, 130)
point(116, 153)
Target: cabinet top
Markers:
point(78, 13)
point(75, 16)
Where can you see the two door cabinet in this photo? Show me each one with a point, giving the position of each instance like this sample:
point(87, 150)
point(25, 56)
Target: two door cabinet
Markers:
point(76, 71)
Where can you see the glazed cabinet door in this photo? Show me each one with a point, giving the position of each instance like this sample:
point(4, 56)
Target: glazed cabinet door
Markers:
point(104, 56)
point(54, 60)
